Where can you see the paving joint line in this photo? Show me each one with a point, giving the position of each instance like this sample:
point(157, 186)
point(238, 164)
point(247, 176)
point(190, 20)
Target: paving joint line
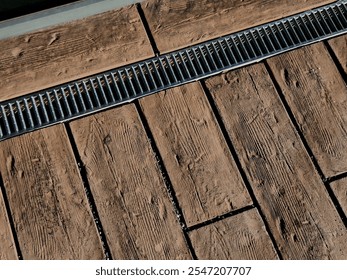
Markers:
point(166, 178)
point(10, 219)
point(308, 150)
point(337, 177)
point(88, 193)
point(337, 62)
point(147, 29)
point(237, 161)
point(221, 217)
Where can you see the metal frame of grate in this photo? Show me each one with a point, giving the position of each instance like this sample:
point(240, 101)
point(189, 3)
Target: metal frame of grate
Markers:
point(111, 88)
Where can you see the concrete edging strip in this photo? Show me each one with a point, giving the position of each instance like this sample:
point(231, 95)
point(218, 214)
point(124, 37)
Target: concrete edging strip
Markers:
point(43, 19)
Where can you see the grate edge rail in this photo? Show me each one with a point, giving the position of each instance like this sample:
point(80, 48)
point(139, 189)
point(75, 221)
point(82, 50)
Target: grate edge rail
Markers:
point(125, 84)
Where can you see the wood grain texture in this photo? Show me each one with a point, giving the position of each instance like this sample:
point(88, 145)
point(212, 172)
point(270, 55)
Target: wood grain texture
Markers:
point(180, 23)
point(205, 178)
point(241, 237)
point(7, 247)
point(128, 189)
point(340, 189)
point(46, 197)
point(293, 199)
point(317, 95)
point(339, 46)
point(66, 52)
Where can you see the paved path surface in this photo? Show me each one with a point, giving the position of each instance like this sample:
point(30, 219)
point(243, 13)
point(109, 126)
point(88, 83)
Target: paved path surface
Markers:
point(249, 164)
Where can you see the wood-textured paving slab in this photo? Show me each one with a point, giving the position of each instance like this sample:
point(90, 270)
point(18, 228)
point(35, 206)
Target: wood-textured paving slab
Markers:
point(7, 247)
point(179, 23)
point(340, 189)
point(46, 197)
point(339, 46)
point(292, 197)
point(241, 237)
point(128, 189)
point(317, 95)
point(205, 178)
point(66, 52)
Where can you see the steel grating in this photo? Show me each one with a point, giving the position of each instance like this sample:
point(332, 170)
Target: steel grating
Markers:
point(111, 88)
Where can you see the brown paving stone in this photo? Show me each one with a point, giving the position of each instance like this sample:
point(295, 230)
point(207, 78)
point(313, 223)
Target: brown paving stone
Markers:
point(317, 95)
point(46, 197)
point(241, 237)
point(128, 189)
point(293, 199)
point(180, 23)
point(200, 166)
point(70, 51)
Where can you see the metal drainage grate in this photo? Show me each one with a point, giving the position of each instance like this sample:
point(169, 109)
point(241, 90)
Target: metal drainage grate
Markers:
point(71, 100)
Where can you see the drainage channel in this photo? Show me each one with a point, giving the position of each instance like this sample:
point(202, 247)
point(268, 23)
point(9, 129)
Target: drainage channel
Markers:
point(121, 85)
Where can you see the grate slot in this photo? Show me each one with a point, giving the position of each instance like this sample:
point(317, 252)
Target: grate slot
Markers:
point(101, 90)
point(120, 85)
point(116, 87)
point(190, 64)
point(330, 23)
point(13, 122)
point(20, 115)
point(129, 84)
point(171, 72)
point(72, 99)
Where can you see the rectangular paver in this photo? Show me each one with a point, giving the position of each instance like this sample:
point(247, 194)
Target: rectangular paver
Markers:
point(129, 192)
point(292, 197)
point(317, 96)
point(203, 173)
point(47, 201)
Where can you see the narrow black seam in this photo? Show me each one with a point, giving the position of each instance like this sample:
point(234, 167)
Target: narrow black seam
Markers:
point(88, 192)
point(306, 145)
point(239, 166)
point(10, 219)
point(221, 217)
point(167, 181)
point(336, 177)
point(147, 29)
point(336, 61)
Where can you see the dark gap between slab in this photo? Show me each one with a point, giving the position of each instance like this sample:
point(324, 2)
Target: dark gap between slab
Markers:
point(147, 29)
point(336, 177)
point(221, 217)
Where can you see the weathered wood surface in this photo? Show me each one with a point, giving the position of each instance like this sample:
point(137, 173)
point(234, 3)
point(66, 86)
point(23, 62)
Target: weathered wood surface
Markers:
point(66, 52)
point(240, 237)
point(317, 95)
point(7, 247)
point(46, 197)
point(179, 23)
point(200, 166)
point(339, 46)
point(340, 189)
point(295, 203)
point(133, 204)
